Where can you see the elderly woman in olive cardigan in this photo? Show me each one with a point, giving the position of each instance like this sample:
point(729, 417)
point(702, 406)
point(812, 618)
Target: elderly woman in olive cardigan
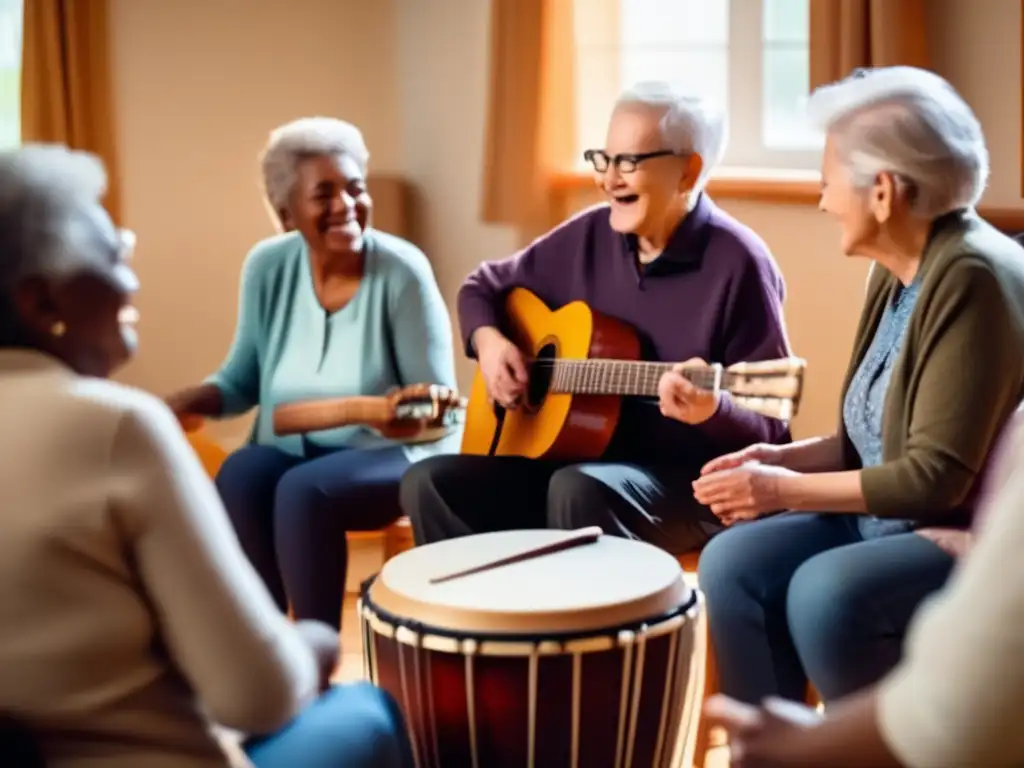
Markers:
point(825, 591)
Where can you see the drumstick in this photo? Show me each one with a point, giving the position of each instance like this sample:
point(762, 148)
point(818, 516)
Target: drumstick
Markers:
point(575, 539)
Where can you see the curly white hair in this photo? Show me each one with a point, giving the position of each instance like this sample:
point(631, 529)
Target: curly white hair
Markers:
point(300, 139)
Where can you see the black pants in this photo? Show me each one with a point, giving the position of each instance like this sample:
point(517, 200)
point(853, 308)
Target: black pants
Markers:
point(450, 496)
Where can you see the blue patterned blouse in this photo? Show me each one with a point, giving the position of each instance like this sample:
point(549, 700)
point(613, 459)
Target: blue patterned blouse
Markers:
point(864, 406)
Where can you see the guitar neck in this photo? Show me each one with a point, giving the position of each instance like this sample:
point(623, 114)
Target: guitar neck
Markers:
point(626, 377)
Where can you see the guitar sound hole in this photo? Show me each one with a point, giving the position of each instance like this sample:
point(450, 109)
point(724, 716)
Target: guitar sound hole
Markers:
point(540, 376)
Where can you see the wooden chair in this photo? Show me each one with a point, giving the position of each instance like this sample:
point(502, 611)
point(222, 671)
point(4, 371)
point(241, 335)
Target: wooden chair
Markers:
point(397, 537)
point(210, 452)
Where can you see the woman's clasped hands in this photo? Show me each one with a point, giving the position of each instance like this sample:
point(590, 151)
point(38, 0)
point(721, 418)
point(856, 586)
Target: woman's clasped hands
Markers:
point(744, 485)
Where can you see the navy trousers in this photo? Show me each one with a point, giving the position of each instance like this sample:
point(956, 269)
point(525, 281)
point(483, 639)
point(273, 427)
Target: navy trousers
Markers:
point(291, 514)
point(357, 726)
point(802, 597)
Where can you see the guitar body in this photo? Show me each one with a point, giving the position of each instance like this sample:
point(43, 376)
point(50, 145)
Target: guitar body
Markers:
point(551, 425)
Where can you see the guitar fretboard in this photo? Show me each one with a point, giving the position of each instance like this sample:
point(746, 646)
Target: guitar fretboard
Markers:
point(624, 377)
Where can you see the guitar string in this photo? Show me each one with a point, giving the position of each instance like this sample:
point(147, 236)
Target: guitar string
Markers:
point(622, 375)
point(641, 371)
point(631, 377)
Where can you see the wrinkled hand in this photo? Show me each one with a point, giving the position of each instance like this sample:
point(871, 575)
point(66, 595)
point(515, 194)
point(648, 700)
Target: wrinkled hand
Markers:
point(504, 370)
point(756, 733)
point(763, 453)
point(747, 492)
point(683, 401)
point(953, 541)
point(427, 422)
point(443, 400)
point(325, 644)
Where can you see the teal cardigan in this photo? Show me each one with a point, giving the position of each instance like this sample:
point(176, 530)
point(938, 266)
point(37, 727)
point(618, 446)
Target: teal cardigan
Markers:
point(395, 331)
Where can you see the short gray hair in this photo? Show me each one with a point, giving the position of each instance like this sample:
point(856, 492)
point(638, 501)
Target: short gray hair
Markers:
point(911, 123)
point(299, 140)
point(689, 124)
point(43, 189)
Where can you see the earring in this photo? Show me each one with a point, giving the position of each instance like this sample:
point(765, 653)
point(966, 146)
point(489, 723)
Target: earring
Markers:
point(58, 329)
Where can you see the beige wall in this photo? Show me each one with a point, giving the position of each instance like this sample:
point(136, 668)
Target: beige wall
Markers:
point(199, 84)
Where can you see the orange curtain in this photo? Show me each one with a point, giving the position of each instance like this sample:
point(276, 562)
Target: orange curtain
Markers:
point(66, 81)
point(531, 119)
point(846, 34)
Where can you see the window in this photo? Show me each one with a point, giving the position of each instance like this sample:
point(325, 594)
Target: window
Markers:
point(10, 73)
point(751, 56)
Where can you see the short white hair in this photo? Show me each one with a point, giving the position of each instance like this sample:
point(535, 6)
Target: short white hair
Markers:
point(299, 140)
point(43, 190)
point(911, 123)
point(689, 124)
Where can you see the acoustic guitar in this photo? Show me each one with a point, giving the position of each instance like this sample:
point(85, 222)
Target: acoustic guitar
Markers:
point(582, 364)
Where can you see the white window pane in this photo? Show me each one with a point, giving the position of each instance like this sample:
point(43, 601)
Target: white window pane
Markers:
point(787, 21)
point(703, 73)
point(10, 73)
point(786, 86)
point(673, 23)
point(10, 107)
point(596, 91)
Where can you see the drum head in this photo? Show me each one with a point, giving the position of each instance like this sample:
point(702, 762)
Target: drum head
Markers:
point(610, 583)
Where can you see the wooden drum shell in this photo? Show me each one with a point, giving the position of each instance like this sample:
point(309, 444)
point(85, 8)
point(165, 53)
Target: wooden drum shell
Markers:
point(617, 697)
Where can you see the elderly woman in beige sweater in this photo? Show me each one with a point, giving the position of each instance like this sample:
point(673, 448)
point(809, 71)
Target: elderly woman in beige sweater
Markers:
point(132, 621)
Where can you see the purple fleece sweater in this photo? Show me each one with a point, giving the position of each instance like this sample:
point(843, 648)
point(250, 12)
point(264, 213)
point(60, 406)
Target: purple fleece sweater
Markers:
point(714, 293)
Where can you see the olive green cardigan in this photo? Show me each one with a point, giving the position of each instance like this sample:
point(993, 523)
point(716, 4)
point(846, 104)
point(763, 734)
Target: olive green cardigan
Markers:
point(958, 377)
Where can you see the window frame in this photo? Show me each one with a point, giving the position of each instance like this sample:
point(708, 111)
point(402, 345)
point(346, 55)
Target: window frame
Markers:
point(746, 104)
point(764, 174)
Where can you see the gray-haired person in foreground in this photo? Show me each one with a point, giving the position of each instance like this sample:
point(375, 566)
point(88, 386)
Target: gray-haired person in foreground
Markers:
point(132, 620)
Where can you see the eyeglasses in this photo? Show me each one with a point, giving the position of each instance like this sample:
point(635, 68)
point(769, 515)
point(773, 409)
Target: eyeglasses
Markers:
point(624, 163)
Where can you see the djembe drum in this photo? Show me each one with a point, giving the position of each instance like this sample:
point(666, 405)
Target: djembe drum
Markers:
point(583, 656)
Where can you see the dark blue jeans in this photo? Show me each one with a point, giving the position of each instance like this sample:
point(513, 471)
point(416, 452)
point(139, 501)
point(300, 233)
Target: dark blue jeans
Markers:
point(291, 514)
point(805, 596)
point(356, 726)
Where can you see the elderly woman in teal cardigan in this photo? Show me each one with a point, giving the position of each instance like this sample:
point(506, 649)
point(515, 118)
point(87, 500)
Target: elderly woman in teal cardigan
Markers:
point(329, 308)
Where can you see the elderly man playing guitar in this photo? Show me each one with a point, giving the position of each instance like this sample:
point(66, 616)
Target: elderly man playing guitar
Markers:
point(689, 280)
